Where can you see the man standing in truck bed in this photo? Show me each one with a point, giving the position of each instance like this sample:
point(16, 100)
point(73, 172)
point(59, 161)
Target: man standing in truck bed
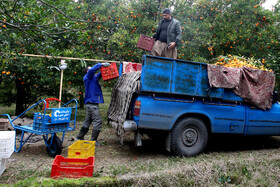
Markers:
point(167, 37)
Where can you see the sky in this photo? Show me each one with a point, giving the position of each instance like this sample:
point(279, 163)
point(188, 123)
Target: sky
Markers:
point(269, 3)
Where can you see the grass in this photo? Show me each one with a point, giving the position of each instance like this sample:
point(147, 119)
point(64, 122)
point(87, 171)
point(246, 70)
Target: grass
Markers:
point(7, 110)
point(253, 168)
point(250, 169)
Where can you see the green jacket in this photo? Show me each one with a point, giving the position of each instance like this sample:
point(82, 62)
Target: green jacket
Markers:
point(174, 31)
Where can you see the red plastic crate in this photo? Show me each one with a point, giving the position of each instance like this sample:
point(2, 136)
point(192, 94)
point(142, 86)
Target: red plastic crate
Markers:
point(110, 72)
point(146, 43)
point(72, 167)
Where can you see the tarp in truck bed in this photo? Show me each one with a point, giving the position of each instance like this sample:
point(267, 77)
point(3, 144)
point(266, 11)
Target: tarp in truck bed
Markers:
point(120, 100)
point(253, 85)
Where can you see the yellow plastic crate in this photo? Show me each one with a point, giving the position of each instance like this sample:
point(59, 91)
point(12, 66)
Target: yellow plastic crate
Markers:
point(81, 149)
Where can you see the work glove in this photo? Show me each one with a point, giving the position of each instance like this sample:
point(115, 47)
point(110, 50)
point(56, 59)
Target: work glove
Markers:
point(105, 64)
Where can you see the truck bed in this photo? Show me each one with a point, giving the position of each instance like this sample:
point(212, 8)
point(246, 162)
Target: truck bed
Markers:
point(171, 76)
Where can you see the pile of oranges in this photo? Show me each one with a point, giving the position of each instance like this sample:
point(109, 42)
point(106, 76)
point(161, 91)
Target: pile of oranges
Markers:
point(238, 62)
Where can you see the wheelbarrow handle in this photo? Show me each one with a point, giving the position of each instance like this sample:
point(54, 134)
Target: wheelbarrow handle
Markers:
point(50, 99)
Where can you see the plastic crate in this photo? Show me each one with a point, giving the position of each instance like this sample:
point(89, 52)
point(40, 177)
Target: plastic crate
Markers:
point(7, 143)
point(72, 167)
point(146, 43)
point(39, 120)
point(4, 124)
point(44, 124)
point(110, 72)
point(2, 165)
point(81, 149)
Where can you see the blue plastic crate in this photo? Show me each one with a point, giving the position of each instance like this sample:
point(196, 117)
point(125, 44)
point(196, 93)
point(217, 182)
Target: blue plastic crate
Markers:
point(53, 121)
point(40, 121)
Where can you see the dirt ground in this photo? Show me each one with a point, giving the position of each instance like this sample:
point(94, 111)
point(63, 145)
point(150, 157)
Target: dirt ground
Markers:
point(33, 155)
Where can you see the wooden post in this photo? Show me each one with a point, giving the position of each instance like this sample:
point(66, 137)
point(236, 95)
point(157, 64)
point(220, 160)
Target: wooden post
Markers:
point(60, 90)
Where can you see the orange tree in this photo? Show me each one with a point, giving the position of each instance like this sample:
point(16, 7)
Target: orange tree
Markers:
point(83, 29)
point(113, 30)
point(36, 27)
point(115, 26)
point(132, 20)
point(109, 30)
point(274, 57)
point(219, 27)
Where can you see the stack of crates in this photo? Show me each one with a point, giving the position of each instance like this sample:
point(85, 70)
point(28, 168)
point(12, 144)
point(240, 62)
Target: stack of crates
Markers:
point(7, 143)
point(81, 149)
point(80, 161)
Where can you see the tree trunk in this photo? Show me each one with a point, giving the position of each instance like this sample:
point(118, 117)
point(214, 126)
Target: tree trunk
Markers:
point(81, 100)
point(20, 98)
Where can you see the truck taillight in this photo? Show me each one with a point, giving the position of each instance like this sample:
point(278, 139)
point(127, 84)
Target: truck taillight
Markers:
point(137, 107)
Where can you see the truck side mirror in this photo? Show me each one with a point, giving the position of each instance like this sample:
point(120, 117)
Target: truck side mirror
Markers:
point(275, 97)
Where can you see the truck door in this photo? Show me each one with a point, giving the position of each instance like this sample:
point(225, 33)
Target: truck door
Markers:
point(263, 122)
point(226, 117)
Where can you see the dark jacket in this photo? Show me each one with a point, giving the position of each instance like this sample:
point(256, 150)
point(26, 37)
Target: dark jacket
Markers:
point(174, 31)
point(93, 89)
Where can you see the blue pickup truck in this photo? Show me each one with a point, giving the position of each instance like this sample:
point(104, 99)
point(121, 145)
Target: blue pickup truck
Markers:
point(172, 100)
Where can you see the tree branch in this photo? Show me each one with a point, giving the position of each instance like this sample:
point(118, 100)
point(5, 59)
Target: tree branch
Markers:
point(61, 12)
point(15, 5)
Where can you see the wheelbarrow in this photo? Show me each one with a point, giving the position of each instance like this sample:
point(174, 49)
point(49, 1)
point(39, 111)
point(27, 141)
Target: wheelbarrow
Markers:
point(48, 123)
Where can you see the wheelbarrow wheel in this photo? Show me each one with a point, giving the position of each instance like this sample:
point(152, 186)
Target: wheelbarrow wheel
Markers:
point(56, 147)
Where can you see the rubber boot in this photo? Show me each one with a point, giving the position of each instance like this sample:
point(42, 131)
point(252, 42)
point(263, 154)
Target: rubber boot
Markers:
point(94, 137)
point(82, 133)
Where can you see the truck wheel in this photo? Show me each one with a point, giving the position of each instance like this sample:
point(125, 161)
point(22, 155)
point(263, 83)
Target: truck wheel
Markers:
point(56, 146)
point(189, 137)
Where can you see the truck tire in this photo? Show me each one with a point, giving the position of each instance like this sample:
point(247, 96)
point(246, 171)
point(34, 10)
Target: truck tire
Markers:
point(56, 146)
point(189, 137)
